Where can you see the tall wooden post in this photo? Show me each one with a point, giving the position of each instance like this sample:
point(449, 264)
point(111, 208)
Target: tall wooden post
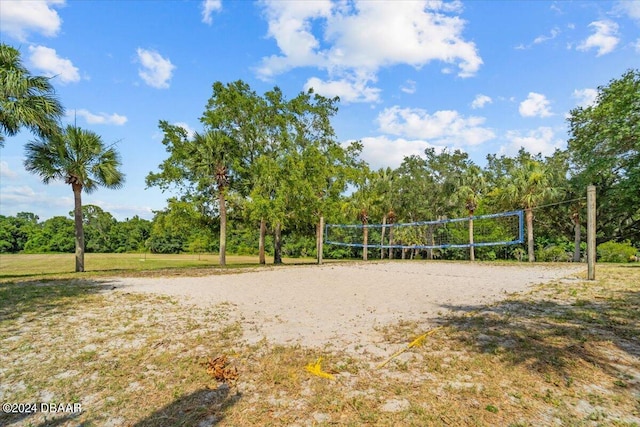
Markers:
point(319, 249)
point(591, 232)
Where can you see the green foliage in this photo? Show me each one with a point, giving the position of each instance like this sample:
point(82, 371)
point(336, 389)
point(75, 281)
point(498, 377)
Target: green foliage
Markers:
point(81, 159)
point(552, 253)
point(55, 235)
point(25, 100)
point(15, 231)
point(605, 148)
point(616, 251)
point(130, 235)
point(266, 158)
point(104, 233)
point(175, 228)
point(97, 228)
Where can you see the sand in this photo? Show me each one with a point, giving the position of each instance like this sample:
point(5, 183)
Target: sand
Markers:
point(346, 305)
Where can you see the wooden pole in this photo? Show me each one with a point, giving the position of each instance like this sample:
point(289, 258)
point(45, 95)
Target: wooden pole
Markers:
point(591, 232)
point(320, 239)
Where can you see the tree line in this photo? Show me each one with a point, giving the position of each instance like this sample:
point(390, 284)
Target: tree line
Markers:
point(266, 172)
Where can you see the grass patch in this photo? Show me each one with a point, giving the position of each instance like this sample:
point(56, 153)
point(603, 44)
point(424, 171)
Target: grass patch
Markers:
point(61, 266)
point(567, 353)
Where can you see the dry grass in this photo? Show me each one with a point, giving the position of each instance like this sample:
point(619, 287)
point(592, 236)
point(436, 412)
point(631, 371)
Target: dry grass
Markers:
point(567, 353)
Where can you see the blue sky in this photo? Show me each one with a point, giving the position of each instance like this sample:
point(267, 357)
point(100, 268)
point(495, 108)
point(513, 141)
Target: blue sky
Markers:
point(481, 76)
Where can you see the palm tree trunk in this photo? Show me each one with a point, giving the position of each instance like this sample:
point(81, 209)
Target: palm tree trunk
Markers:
point(384, 222)
point(472, 253)
point(576, 237)
point(263, 231)
point(365, 242)
point(528, 215)
point(223, 226)
point(391, 254)
point(77, 214)
point(277, 244)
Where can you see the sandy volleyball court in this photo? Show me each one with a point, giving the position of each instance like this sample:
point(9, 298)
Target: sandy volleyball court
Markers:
point(345, 305)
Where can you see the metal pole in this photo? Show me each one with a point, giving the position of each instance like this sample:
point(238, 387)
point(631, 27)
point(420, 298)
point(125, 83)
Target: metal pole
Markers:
point(591, 232)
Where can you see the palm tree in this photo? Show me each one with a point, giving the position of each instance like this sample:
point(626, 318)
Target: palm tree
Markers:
point(530, 183)
point(210, 164)
point(80, 158)
point(25, 100)
point(383, 185)
point(472, 185)
point(363, 201)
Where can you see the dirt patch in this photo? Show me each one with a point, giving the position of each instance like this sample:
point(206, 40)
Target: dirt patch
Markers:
point(345, 306)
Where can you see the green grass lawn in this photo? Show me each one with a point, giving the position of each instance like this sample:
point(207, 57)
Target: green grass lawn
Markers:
point(15, 266)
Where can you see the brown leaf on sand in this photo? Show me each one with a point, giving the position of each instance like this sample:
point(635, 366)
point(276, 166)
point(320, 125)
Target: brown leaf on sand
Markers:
point(218, 369)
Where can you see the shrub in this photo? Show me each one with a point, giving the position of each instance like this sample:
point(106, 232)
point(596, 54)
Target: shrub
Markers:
point(616, 252)
point(552, 254)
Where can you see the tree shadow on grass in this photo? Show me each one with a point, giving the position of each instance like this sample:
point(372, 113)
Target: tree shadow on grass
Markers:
point(21, 419)
point(42, 296)
point(552, 336)
point(204, 407)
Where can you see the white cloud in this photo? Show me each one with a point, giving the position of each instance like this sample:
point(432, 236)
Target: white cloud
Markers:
point(409, 87)
point(101, 118)
point(604, 38)
point(441, 128)
point(208, 7)
point(18, 18)
point(629, 8)
point(382, 151)
point(552, 35)
point(351, 89)
point(47, 60)
point(541, 140)
point(360, 37)
point(585, 97)
point(24, 198)
point(480, 101)
point(6, 171)
point(185, 126)
point(536, 105)
point(156, 71)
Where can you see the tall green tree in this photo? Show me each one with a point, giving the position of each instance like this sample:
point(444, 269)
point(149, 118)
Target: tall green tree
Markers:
point(97, 225)
point(79, 158)
point(526, 183)
point(197, 166)
point(384, 187)
point(469, 192)
point(604, 147)
point(16, 231)
point(363, 203)
point(326, 166)
point(53, 235)
point(25, 100)
point(233, 121)
point(130, 235)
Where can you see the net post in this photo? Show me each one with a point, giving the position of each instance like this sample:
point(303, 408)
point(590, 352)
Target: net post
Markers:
point(591, 232)
point(320, 247)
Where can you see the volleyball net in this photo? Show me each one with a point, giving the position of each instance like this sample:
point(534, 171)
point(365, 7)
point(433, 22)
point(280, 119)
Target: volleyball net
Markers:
point(506, 228)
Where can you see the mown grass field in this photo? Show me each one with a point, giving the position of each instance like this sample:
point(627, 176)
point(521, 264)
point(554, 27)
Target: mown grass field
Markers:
point(567, 353)
point(16, 266)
